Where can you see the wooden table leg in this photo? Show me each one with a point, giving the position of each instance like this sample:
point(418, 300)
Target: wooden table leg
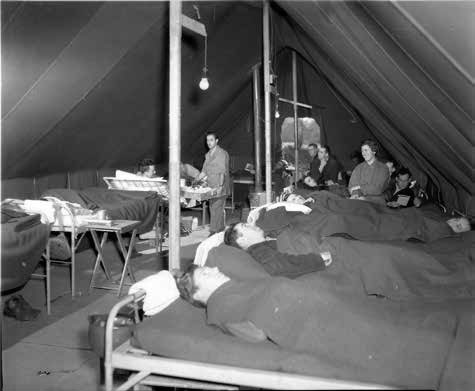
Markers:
point(126, 256)
point(100, 256)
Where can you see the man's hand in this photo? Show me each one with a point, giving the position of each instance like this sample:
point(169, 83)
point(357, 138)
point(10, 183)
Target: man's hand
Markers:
point(327, 258)
point(247, 331)
point(393, 204)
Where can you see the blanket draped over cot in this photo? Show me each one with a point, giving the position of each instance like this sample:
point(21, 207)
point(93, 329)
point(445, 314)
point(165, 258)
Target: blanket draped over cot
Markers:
point(119, 204)
point(365, 220)
point(369, 338)
point(24, 239)
point(398, 271)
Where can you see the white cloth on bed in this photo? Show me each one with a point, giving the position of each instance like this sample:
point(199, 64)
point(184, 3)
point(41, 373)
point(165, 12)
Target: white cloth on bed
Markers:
point(160, 291)
point(206, 245)
point(289, 207)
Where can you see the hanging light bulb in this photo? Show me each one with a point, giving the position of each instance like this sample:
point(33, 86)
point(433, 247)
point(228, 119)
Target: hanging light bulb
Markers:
point(204, 83)
point(277, 114)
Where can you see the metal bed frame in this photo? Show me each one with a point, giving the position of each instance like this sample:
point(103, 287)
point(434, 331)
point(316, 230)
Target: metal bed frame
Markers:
point(156, 370)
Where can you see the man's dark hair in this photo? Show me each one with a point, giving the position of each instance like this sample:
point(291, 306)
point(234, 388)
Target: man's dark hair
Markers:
point(372, 144)
point(145, 163)
point(326, 148)
point(212, 133)
point(231, 235)
point(313, 145)
point(186, 285)
point(404, 171)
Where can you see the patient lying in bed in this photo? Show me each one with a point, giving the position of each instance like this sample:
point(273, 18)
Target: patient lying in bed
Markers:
point(325, 323)
point(363, 220)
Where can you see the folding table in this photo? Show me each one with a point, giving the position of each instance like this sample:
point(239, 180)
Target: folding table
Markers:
point(118, 227)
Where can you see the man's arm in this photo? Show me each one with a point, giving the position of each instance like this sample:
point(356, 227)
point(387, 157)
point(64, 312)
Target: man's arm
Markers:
point(282, 264)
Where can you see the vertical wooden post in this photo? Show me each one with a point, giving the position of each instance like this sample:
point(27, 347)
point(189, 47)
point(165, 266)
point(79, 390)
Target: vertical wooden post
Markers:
point(296, 117)
point(266, 43)
point(174, 135)
point(257, 128)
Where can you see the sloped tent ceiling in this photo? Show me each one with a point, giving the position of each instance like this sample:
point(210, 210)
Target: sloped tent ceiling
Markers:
point(85, 84)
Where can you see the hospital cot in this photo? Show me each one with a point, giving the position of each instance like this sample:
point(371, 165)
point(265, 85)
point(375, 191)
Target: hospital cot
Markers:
point(244, 364)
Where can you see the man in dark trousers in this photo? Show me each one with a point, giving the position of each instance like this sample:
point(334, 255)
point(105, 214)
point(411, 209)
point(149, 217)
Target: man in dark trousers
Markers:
point(216, 173)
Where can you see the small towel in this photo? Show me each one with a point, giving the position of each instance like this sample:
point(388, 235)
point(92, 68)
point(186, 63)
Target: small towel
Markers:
point(45, 208)
point(289, 207)
point(160, 289)
point(205, 246)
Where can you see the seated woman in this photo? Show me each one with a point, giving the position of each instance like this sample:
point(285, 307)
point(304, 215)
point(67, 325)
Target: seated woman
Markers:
point(359, 336)
point(370, 178)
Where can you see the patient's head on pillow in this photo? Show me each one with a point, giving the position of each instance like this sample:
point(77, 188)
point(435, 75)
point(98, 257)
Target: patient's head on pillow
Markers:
point(243, 235)
point(459, 224)
point(198, 283)
point(294, 198)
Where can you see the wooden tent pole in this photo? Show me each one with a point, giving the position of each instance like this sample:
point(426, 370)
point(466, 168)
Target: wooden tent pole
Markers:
point(174, 135)
point(296, 118)
point(257, 128)
point(265, 33)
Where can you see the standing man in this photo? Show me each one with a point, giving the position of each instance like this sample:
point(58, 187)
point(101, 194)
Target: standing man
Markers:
point(370, 178)
point(216, 171)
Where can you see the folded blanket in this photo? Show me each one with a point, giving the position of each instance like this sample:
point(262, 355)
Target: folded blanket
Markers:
point(160, 289)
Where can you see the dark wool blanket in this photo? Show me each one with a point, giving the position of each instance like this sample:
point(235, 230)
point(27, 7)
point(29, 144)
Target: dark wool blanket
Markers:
point(396, 270)
point(365, 220)
point(24, 239)
point(362, 338)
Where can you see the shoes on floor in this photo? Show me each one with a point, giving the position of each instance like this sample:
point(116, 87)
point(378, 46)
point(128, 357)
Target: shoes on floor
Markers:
point(17, 307)
point(59, 247)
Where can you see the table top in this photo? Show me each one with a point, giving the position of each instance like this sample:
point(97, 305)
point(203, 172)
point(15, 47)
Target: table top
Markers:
point(113, 225)
point(106, 226)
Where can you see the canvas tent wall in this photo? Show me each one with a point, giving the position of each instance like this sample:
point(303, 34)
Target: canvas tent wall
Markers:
point(84, 84)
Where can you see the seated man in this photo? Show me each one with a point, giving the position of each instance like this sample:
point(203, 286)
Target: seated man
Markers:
point(399, 194)
point(264, 250)
point(329, 167)
point(370, 178)
point(361, 337)
point(147, 168)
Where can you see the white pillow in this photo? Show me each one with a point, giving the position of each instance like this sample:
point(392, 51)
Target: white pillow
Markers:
point(160, 291)
point(206, 245)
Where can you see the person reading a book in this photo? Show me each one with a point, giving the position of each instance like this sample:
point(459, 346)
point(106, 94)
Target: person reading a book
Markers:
point(400, 194)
